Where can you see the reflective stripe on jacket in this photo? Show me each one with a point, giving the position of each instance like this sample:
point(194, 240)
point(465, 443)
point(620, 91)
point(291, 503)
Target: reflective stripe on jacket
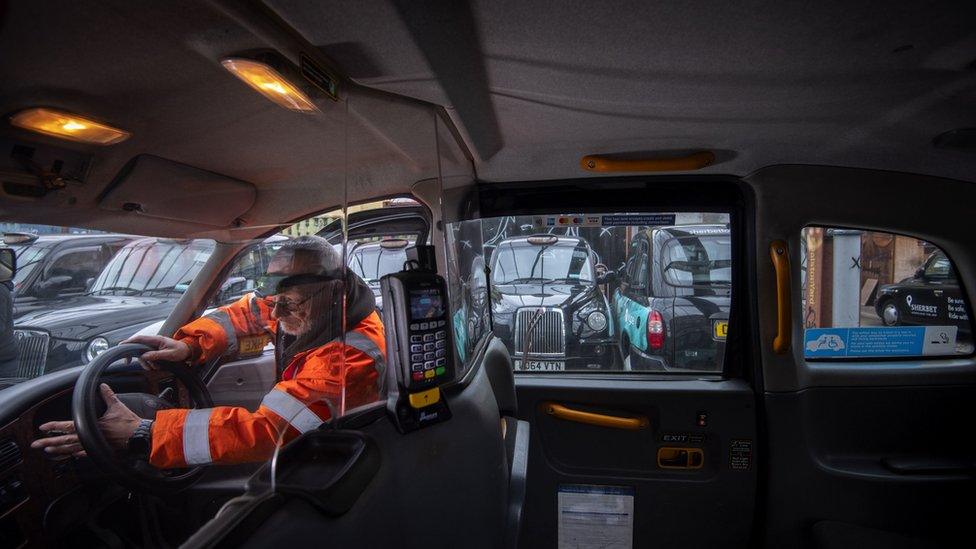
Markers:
point(311, 384)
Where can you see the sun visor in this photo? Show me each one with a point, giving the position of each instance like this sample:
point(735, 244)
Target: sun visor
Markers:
point(164, 189)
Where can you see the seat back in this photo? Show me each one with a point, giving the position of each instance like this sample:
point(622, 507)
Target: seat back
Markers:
point(445, 486)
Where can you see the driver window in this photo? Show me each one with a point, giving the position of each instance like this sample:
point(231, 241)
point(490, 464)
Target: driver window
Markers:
point(247, 274)
point(640, 273)
point(71, 272)
point(632, 261)
point(938, 267)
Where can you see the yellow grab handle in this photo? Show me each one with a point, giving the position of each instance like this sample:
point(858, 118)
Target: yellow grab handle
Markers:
point(780, 256)
point(600, 420)
point(609, 163)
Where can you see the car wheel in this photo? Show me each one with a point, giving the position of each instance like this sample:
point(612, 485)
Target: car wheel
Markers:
point(889, 313)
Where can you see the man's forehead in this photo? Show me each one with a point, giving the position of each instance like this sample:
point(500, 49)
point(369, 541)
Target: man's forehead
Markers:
point(302, 290)
point(293, 291)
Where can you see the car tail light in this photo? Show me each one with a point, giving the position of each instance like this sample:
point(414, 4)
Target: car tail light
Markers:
point(655, 330)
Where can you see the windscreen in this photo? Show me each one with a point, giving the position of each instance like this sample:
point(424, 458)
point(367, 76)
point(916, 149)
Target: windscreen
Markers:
point(153, 265)
point(542, 260)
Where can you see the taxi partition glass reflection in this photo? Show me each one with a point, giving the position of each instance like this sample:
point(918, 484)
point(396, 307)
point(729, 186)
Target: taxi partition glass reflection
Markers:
point(601, 292)
point(875, 294)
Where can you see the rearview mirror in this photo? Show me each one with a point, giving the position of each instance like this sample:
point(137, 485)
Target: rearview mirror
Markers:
point(8, 264)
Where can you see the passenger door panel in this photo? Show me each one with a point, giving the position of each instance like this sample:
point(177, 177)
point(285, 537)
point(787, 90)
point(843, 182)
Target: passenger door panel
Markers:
point(874, 452)
point(243, 382)
point(671, 506)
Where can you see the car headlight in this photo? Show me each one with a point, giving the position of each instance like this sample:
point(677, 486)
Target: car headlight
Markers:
point(597, 321)
point(97, 346)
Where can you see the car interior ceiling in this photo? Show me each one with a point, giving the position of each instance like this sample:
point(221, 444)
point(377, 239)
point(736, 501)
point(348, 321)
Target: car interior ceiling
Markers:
point(852, 118)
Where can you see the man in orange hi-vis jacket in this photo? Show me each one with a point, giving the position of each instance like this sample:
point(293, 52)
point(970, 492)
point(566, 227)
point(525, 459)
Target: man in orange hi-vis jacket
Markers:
point(315, 354)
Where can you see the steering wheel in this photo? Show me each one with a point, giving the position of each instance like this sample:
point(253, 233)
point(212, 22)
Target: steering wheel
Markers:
point(87, 406)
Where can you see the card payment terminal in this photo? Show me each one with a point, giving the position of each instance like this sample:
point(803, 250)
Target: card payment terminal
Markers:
point(419, 345)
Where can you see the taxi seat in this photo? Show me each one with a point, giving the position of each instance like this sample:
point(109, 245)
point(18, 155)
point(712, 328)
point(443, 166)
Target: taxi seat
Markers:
point(498, 366)
point(447, 485)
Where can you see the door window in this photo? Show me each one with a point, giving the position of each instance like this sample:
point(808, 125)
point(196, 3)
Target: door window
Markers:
point(247, 274)
point(871, 294)
point(641, 268)
point(938, 267)
point(72, 271)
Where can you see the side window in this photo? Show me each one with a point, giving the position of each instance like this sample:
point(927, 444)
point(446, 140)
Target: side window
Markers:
point(870, 294)
point(248, 272)
point(938, 267)
point(72, 271)
point(640, 266)
point(468, 287)
point(632, 260)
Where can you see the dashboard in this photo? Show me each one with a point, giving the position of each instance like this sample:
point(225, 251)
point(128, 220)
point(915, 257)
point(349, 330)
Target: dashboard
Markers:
point(43, 499)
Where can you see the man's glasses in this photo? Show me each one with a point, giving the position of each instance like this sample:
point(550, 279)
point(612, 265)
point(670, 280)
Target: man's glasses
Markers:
point(287, 305)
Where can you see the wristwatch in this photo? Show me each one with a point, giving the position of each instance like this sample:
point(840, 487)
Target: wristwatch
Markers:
point(140, 443)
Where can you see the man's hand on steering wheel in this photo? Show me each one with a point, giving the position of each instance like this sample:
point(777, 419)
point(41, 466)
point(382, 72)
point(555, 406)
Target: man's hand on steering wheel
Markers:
point(117, 424)
point(167, 350)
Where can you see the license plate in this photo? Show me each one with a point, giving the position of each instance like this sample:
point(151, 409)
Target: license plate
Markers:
point(720, 329)
point(540, 365)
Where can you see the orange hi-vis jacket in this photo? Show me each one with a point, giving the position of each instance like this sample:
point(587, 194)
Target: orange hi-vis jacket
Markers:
point(298, 403)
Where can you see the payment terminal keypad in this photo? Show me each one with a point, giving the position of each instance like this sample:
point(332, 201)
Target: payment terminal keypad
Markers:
point(428, 349)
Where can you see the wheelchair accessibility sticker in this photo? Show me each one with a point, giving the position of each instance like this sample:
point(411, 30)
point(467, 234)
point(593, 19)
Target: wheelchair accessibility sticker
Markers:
point(880, 342)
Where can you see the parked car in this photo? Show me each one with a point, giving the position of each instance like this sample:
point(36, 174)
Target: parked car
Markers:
point(931, 296)
point(372, 260)
point(377, 239)
point(139, 286)
point(58, 266)
point(9, 353)
point(672, 305)
point(547, 306)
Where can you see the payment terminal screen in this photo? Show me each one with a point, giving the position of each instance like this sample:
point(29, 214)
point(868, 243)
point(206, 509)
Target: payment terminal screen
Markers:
point(426, 304)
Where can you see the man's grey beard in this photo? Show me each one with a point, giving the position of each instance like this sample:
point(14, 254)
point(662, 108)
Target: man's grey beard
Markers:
point(303, 327)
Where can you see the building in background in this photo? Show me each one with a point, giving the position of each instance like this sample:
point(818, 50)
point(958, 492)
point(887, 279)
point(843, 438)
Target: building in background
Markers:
point(315, 224)
point(843, 269)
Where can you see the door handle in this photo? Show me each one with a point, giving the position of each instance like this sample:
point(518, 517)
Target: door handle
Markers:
point(601, 420)
point(779, 254)
point(680, 458)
